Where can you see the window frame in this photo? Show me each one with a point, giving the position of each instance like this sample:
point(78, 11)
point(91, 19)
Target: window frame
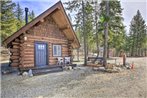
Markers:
point(57, 50)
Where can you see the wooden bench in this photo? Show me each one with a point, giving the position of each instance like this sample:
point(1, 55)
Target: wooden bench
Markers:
point(94, 59)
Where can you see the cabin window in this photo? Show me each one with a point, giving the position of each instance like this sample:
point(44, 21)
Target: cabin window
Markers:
point(41, 47)
point(56, 50)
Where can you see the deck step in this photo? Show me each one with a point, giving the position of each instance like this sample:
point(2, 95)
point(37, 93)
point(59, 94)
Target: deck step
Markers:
point(47, 70)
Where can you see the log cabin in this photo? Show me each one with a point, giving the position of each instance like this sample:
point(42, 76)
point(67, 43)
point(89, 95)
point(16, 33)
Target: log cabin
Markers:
point(41, 41)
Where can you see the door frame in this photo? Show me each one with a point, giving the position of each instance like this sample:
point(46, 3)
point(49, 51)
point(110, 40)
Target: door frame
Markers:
point(47, 58)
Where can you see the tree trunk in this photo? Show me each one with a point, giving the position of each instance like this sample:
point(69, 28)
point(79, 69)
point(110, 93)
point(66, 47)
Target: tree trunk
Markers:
point(97, 43)
point(132, 54)
point(108, 51)
point(87, 49)
point(106, 36)
point(84, 34)
point(139, 51)
point(145, 52)
point(142, 52)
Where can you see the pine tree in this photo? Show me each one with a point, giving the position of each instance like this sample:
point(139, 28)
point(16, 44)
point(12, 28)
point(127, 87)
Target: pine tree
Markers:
point(31, 15)
point(116, 32)
point(19, 16)
point(106, 33)
point(96, 13)
point(137, 36)
point(88, 25)
point(8, 20)
point(84, 22)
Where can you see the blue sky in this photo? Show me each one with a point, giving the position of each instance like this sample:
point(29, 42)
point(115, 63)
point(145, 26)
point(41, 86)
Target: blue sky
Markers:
point(130, 7)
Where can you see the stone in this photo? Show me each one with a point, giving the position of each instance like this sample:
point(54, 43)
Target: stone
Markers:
point(101, 68)
point(67, 68)
point(116, 69)
point(30, 73)
point(70, 67)
point(128, 65)
point(25, 73)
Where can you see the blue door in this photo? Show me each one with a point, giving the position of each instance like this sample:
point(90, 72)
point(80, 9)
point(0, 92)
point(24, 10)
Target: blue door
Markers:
point(40, 54)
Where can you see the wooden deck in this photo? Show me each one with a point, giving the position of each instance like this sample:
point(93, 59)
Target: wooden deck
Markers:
point(43, 69)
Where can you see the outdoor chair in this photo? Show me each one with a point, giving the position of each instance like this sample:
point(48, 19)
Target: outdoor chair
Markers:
point(67, 60)
point(60, 61)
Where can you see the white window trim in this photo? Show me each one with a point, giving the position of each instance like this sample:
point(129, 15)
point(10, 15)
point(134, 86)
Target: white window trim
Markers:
point(59, 52)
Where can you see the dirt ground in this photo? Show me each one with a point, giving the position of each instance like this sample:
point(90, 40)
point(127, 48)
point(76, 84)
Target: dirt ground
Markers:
point(82, 82)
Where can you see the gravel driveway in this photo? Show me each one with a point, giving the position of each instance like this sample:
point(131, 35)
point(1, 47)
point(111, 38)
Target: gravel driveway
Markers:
point(80, 83)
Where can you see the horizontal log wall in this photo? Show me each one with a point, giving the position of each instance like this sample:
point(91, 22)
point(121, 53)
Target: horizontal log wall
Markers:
point(52, 60)
point(15, 53)
point(22, 51)
point(48, 32)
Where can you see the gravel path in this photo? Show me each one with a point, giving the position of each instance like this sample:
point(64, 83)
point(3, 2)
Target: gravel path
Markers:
point(80, 83)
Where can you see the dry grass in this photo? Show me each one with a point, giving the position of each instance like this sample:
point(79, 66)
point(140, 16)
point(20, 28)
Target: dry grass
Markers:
point(80, 83)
